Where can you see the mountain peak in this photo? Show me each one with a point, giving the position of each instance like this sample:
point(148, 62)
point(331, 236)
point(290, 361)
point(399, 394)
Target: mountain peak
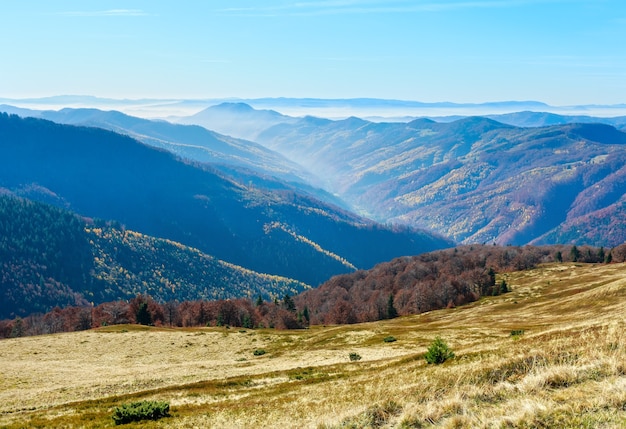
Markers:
point(234, 107)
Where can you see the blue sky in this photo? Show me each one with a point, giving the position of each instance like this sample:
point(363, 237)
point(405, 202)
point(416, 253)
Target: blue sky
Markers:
point(562, 52)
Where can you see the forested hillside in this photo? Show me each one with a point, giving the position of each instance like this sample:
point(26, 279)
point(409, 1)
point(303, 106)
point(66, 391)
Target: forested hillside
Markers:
point(100, 174)
point(50, 257)
point(155, 282)
point(474, 179)
point(447, 278)
point(45, 258)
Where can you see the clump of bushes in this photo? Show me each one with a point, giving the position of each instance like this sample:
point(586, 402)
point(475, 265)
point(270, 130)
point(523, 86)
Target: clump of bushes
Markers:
point(354, 357)
point(389, 339)
point(517, 332)
point(438, 352)
point(259, 352)
point(143, 410)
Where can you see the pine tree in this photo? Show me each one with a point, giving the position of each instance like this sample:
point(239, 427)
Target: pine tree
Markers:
point(391, 310)
point(247, 321)
point(438, 352)
point(492, 277)
point(143, 316)
point(288, 303)
point(558, 256)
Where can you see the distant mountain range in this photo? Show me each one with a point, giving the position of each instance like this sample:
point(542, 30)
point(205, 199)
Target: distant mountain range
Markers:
point(548, 179)
point(335, 108)
point(542, 119)
point(101, 174)
point(441, 176)
point(187, 141)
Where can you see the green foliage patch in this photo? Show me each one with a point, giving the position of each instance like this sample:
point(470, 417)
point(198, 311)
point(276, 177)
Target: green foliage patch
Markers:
point(438, 352)
point(138, 411)
point(354, 357)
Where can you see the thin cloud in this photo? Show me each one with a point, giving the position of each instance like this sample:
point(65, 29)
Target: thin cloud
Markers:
point(353, 59)
point(335, 7)
point(106, 13)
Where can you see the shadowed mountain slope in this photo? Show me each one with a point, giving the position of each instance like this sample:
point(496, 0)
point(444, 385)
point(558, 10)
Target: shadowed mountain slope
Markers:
point(97, 173)
point(250, 162)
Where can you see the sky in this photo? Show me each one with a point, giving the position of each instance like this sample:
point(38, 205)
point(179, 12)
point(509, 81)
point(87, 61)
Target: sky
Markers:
point(561, 52)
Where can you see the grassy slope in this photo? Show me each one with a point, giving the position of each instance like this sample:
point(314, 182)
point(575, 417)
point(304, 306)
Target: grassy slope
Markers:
point(567, 370)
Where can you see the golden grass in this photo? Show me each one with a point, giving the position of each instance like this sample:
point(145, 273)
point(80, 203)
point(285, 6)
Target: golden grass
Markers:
point(568, 368)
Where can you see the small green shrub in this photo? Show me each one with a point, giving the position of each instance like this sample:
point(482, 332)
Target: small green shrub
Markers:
point(354, 357)
point(259, 352)
point(517, 332)
point(143, 410)
point(438, 352)
point(389, 339)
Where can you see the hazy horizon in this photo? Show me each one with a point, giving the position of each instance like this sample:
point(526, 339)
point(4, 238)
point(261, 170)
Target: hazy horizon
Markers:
point(374, 109)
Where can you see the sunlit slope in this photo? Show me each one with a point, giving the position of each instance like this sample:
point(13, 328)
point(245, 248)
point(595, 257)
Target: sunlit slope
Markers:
point(567, 368)
point(474, 179)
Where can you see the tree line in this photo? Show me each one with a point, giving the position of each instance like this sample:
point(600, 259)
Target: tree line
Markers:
point(403, 286)
point(144, 310)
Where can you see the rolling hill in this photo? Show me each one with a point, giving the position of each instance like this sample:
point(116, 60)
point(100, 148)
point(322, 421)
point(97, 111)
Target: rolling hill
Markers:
point(101, 174)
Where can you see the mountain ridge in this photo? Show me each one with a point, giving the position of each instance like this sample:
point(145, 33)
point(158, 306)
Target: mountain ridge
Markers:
point(476, 179)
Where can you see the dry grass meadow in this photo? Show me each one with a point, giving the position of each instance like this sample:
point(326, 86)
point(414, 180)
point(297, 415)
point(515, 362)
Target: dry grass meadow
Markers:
point(567, 369)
